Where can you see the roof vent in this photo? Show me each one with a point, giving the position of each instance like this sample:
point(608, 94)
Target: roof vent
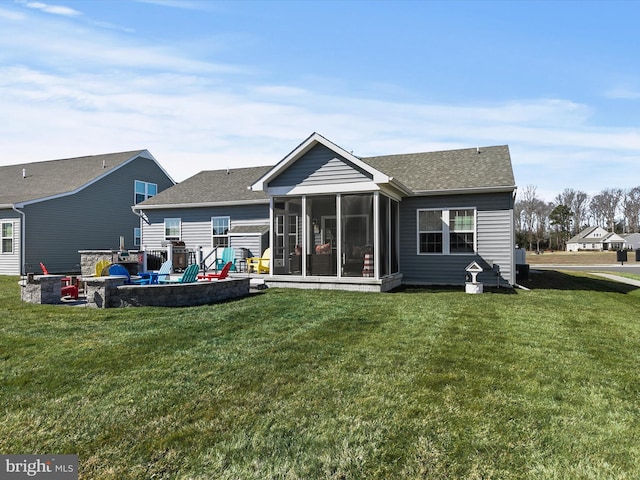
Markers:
point(24, 173)
point(104, 164)
point(477, 149)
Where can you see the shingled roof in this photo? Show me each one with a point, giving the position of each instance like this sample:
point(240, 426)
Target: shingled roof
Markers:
point(57, 177)
point(450, 170)
point(212, 187)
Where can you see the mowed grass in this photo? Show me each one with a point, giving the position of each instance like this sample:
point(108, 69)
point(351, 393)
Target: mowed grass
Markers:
point(296, 384)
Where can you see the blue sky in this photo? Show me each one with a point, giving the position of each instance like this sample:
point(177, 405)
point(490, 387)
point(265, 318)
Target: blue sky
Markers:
point(207, 85)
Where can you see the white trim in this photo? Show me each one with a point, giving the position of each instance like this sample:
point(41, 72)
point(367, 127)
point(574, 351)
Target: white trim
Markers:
point(164, 228)
point(200, 205)
point(213, 236)
point(325, 189)
point(456, 191)
point(12, 237)
point(446, 231)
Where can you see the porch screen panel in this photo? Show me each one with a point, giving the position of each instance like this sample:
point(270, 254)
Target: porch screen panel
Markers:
point(384, 241)
point(322, 233)
point(395, 241)
point(357, 235)
point(287, 235)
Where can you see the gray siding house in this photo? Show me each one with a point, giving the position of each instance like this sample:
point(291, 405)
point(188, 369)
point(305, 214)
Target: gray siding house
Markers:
point(50, 210)
point(335, 220)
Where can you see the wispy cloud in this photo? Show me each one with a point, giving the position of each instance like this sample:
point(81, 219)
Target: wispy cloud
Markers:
point(623, 93)
point(53, 9)
point(185, 4)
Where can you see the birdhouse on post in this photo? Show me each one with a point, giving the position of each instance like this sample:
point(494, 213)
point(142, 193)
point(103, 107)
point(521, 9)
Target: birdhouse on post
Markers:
point(473, 286)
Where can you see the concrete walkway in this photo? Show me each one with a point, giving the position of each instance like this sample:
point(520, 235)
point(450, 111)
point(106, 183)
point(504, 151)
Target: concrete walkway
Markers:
point(617, 278)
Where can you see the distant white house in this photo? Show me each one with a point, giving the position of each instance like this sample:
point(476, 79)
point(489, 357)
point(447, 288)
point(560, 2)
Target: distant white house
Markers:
point(595, 239)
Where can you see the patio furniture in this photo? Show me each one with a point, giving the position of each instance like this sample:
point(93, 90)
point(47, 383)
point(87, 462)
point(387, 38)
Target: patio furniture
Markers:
point(116, 270)
point(162, 274)
point(189, 276)
point(68, 289)
point(100, 266)
point(228, 255)
point(260, 264)
point(217, 276)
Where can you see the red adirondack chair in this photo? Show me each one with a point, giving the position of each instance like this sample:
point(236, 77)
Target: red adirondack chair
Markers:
point(217, 276)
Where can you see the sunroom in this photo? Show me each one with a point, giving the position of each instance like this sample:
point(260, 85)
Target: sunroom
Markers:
point(334, 221)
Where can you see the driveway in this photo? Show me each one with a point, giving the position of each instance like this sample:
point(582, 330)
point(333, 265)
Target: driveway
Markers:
point(628, 267)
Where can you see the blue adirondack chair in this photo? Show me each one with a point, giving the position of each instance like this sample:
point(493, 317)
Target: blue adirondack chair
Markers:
point(228, 255)
point(119, 270)
point(165, 270)
point(189, 276)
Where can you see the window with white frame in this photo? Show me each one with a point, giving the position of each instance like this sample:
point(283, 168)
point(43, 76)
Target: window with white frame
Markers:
point(7, 237)
point(462, 231)
point(137, 236)
point(447, 231)
point(220, 231)
point(430, 231)
point(144, 190)
point(172, 229)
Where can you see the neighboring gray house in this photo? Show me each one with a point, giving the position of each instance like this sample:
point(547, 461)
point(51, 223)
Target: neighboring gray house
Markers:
point(631, 241)
point(595, 239)
point(334, 220)
point(50, 210)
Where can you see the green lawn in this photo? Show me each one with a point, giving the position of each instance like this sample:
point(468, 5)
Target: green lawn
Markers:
point(296, 384)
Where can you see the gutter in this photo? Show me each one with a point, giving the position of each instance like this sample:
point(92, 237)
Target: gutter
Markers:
point(498, 189)
point(229, 203)
point(139, 214)
point(23, 230)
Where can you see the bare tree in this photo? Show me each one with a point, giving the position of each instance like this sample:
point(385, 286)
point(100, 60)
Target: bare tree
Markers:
point(542, 211)
point(579, 209)
point(631, 209)
point(604, 207)
point(576, 200)
point(526, 210)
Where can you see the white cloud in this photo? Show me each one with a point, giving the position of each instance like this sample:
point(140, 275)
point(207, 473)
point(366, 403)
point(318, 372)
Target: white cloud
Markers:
point(88, 91)
point(53, 9)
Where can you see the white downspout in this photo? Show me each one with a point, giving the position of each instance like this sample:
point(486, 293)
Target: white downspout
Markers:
point(23, 235)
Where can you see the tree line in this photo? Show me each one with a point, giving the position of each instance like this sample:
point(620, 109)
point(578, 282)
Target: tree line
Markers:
point(541, 224)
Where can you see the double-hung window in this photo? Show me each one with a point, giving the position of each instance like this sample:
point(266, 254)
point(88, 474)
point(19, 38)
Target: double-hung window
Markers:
point(7, 237)
point(430, 231)
point(172, 229)
point(447, 231)
point(144, 190)
point(220, 231)
point(137, 236)
point(462, 230)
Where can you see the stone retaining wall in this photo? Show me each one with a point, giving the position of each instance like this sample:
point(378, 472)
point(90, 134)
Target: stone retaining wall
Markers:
point(110, 292)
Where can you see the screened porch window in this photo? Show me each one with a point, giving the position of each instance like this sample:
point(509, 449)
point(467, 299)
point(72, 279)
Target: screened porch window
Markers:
point(334, 235)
